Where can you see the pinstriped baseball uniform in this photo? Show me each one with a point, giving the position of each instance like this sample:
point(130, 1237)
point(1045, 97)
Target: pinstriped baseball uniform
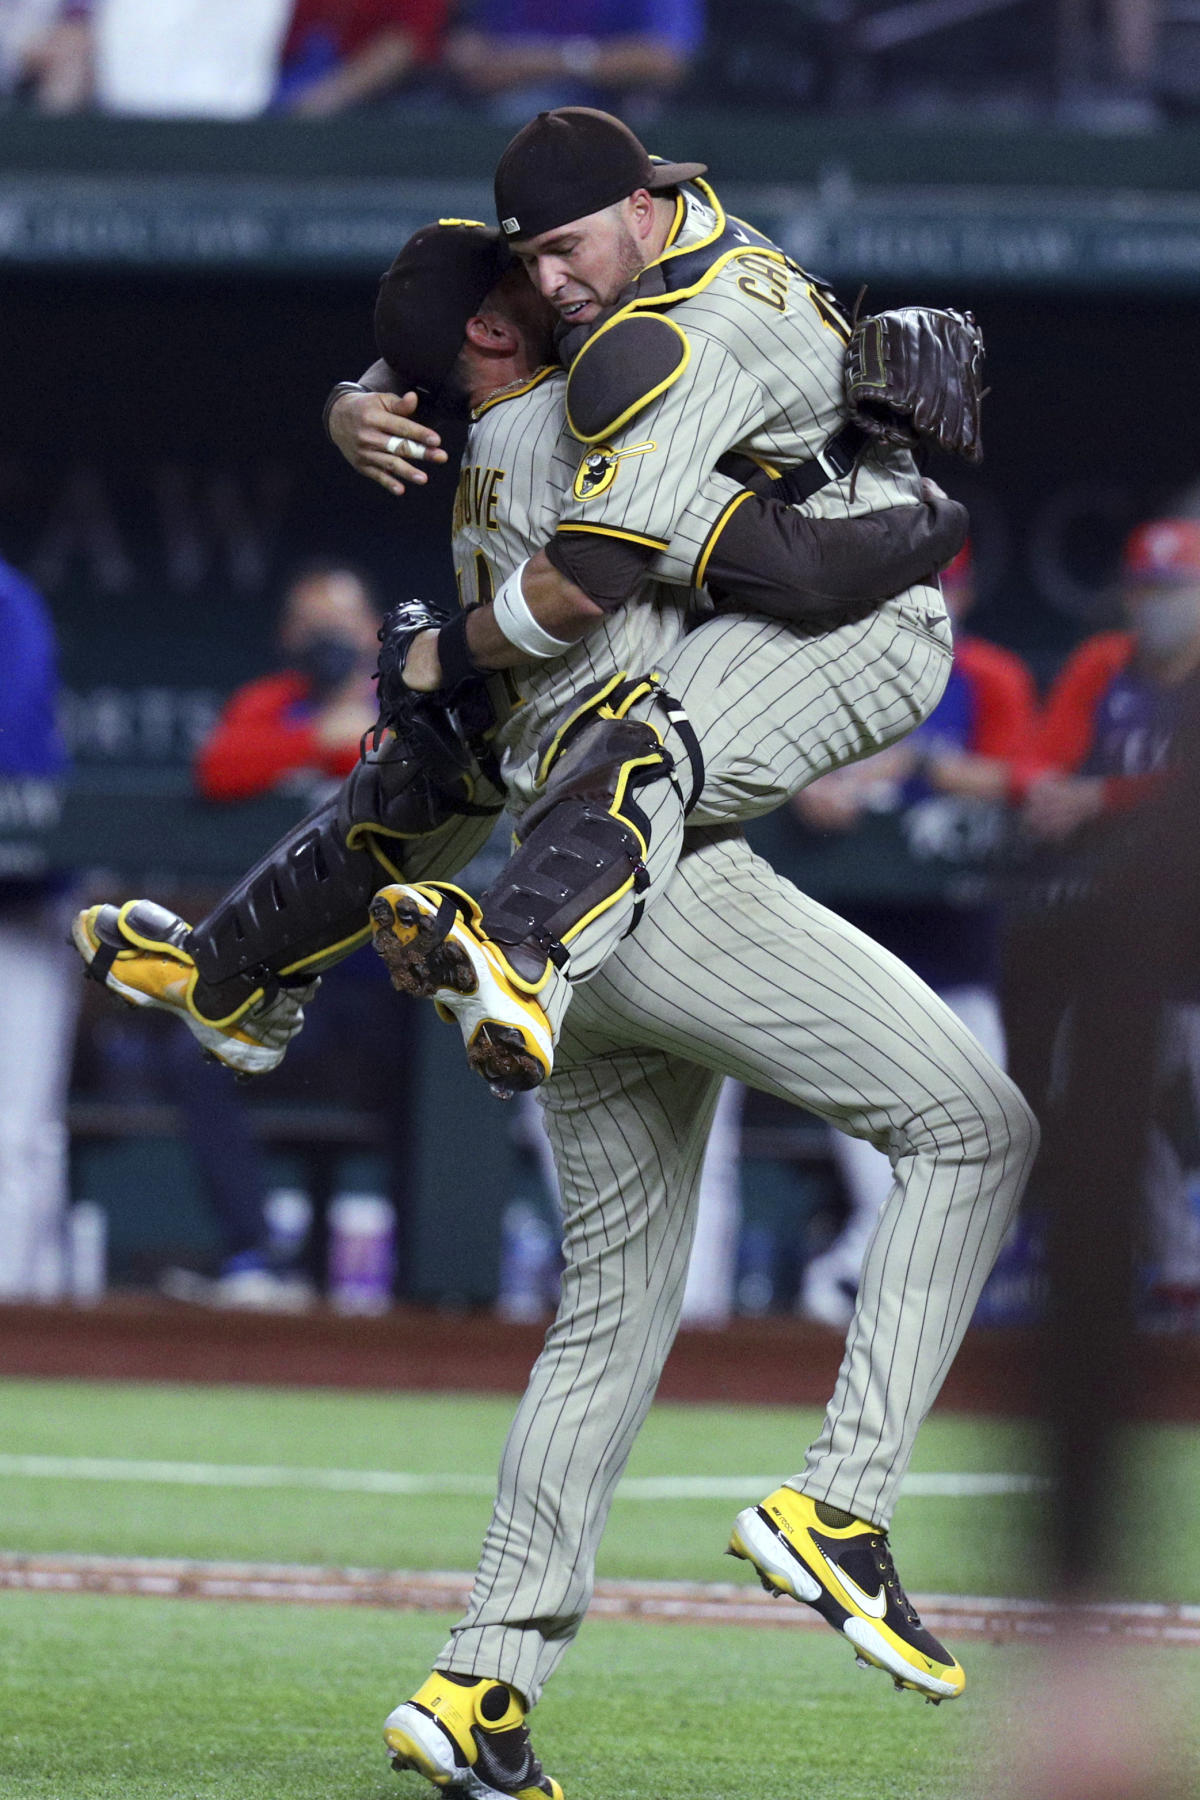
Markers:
point(732, 972)
point(760, 372)
point(773, 709)
point(736, 973)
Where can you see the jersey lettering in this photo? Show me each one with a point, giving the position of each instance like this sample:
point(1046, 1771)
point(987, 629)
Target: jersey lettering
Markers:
point(476, 498)
point(765, 280)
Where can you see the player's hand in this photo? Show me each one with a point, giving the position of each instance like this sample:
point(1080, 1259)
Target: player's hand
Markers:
point(1059, 804)
point(422, 669)
point(378, 435)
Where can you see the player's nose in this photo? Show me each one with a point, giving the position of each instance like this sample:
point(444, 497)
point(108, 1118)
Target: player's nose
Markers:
point(550, 277)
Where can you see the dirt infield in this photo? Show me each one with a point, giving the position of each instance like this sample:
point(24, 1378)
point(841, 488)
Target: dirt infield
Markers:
point(753, 1361)
point(690, 1603)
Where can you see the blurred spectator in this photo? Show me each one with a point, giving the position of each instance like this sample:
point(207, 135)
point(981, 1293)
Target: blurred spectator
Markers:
point(46, 53)
point(973, 747)
point(301, 728)
point(1107, 740)
point(522, 56)
point(342, 53)
point(307, 720)
point(39, 984)
point(187, 58)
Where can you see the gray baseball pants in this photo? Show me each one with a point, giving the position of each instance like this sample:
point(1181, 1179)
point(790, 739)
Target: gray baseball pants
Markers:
point(773, 710)
point(735, 973)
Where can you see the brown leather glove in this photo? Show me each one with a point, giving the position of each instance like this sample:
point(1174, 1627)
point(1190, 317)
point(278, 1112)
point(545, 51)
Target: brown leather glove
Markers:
point(915, 376)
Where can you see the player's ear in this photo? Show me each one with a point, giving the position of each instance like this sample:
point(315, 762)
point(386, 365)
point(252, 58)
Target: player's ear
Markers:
point(641, 211)
point(492, 332)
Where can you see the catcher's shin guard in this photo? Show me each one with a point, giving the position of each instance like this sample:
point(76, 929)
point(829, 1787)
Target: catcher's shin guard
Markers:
point(582, 845)
point(303, 906)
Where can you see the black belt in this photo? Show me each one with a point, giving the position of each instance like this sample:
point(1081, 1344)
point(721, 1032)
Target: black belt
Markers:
point(832, 462)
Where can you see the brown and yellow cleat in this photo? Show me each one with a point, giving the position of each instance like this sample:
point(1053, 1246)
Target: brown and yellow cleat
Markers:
point(468, 1736)
point(843, 1567)
point(431, 938)
point(138, 952)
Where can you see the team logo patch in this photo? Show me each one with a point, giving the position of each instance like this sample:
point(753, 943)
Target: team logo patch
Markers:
point(598, 470)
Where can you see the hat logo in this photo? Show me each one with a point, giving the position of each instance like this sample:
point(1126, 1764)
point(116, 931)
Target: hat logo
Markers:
point(511, 226)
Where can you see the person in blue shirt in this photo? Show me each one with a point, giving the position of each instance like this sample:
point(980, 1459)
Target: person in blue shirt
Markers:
point(526, 56)
point(37, 977)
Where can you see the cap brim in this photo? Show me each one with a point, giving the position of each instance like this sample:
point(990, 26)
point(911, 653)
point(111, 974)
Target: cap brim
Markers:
point(671, 174)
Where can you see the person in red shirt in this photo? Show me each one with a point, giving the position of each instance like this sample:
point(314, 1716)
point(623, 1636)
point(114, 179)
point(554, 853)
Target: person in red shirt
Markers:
point(1110, 716)
point(342, 53)
point(305, 722)
point(298, 728)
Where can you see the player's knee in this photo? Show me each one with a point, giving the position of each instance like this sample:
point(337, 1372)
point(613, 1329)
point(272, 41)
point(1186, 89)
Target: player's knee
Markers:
point(1006, 1133)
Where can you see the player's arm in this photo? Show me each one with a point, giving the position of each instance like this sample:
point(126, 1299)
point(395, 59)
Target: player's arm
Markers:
point(757, 553)
point(374, 428)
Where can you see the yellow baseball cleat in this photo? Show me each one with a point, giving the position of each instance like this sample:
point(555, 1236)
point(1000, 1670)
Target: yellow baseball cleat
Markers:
point(137, 951)
point(431, 937)
point(839, 1565)
point(468, 1736)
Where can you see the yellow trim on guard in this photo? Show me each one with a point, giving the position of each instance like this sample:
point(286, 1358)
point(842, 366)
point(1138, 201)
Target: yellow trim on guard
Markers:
point(631, 537)
point(710, 542)
point(643, 400)
point(688, 249)
point(154, 945)
point(338, 951)
point(610, 900)
point(592, 704)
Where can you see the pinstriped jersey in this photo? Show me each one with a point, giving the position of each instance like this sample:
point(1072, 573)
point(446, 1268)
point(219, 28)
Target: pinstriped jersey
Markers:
point(761, 372)
point(520, 463)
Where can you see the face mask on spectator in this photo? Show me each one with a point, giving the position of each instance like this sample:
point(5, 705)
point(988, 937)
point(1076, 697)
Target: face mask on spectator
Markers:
point(1165, 624)
point(326, 659)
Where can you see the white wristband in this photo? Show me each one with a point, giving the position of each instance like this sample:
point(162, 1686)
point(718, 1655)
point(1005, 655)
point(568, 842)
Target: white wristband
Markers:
point(518, 624)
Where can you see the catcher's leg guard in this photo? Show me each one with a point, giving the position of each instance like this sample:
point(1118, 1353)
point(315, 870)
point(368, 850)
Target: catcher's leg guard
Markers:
point(303, 906)
point(583, 845)
point(498, 966)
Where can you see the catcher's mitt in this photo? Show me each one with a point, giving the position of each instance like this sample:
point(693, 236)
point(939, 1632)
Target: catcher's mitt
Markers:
point(401, 625)
point(914, 375)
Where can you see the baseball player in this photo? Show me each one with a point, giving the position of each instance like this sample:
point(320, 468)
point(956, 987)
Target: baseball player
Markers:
point(417, 806)
point(629, 1220)
point(721, 346)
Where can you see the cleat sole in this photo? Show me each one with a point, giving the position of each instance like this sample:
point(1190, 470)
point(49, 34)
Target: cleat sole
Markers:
point(500, 1054)
point(418, 960)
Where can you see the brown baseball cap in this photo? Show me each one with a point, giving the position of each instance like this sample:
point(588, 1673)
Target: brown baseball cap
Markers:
point(437, 282)
point(572, 162)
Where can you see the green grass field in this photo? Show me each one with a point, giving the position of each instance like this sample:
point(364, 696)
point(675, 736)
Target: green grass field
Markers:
point(104, 1697)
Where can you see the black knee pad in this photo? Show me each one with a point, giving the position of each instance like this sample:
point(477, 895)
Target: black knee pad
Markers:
point(582, 844)
point(407, 787)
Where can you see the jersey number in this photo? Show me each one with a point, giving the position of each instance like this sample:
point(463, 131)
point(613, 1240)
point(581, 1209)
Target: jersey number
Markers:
point(830, 313)
point(484, 583)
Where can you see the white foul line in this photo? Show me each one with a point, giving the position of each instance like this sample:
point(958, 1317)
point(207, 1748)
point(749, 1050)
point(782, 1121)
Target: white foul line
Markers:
point(398, 1481)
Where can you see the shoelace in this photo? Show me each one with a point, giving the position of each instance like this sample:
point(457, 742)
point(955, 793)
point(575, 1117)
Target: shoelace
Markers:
point(879, 1548)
